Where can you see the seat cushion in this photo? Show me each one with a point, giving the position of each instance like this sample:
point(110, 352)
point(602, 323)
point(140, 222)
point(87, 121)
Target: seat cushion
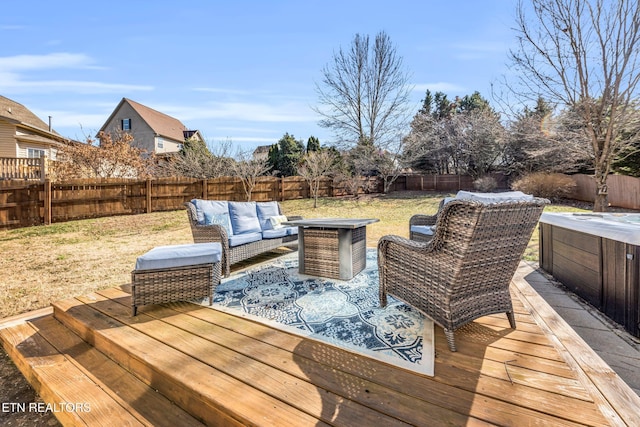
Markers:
point(280, 232)
point(244, 217)
point(179, 256)
point(291, 230)
point(505, 196)
point(241, 239)
point(270, 234)
point(265, 211)
point(423, 229)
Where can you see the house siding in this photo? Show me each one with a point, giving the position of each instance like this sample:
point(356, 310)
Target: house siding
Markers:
point(22, 148)
point(168, 145)
point(143, 135)
point(7, 139)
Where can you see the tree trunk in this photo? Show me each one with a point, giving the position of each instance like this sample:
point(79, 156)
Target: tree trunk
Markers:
point(601, 201)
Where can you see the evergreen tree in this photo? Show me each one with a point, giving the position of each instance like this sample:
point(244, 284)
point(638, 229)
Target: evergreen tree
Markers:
point(285, 155)
point(313, 144)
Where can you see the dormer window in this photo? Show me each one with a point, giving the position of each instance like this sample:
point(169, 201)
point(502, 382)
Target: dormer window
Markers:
point(126, 124)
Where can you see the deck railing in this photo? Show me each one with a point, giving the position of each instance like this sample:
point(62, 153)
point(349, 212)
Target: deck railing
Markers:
point(23, 168)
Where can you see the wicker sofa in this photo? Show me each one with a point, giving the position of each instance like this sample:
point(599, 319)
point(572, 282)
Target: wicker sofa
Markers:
point(244, 229)
point(463, 272)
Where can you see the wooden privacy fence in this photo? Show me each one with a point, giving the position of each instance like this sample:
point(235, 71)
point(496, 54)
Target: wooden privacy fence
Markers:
point(24, 203)
point(624, 191)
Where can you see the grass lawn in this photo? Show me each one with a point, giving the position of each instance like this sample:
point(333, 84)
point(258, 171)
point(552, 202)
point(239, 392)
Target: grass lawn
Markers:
point(47, 263)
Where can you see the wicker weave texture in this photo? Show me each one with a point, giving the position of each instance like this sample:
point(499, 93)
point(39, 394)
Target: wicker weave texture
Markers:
point(186, 283)
point(234, 254)
point(463, 272)
point(321, 253)
point(323, 256)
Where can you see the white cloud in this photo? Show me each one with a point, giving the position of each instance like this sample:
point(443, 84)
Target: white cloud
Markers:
point(223, 91)
point(14, 69)
point(39, 62)
point(439, 87)
point(243, 139)
point(479, 49)
point(63, 119)
point(243, 111)
point(243, 129)
point(12, 84)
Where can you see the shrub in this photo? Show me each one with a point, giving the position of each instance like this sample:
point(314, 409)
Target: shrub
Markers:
point(485, 184)
point(553, 186)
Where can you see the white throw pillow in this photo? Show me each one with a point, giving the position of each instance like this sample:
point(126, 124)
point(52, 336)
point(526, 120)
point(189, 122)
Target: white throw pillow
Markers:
point(277, 220)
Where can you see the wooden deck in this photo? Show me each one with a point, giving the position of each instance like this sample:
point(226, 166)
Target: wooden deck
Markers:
point(183, 364)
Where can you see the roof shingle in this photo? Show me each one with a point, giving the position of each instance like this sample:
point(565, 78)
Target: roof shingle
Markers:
point(160, 123)
point(17, 112)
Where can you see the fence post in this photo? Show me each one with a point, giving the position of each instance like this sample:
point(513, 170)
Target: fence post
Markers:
point(47, 202)
point(204, 189)
point(43, 168)
point(282, 188)
point(148, 195)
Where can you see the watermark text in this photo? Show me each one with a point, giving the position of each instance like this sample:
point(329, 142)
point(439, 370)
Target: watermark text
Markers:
point(12, 407)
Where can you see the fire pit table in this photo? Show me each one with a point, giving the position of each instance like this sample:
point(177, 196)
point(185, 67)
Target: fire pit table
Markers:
point(332, 247)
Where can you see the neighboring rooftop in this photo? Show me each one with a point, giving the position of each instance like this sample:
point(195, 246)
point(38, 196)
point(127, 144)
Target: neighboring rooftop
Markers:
point(161, 123)
point(18, 113)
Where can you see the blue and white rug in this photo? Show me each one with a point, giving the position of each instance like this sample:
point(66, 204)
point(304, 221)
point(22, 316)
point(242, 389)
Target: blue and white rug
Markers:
point(346, 314)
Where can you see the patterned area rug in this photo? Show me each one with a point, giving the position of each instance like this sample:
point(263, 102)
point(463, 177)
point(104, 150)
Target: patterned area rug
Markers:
point(343, 313)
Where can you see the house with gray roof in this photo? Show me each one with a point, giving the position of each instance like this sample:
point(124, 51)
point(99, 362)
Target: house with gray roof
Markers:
point(152, 131)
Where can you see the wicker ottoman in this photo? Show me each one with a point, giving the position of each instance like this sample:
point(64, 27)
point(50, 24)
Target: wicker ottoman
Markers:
point(176, 273)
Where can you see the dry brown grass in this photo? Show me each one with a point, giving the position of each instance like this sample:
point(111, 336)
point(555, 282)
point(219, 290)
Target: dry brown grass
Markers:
point(46, 263)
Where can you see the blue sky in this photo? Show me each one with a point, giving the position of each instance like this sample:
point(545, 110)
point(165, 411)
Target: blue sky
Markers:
point(238, 70)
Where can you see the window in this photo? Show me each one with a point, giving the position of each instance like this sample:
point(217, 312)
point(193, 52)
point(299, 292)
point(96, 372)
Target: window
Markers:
point(126, 124)
point(35, 153)
point(160, 142)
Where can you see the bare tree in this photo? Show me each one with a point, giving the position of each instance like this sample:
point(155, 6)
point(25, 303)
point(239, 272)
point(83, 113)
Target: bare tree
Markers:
point(315, 166)
point(115, 157)
point(468, 142)
point(545, 143)
point(248, 169)
point(196, 160)
point(364, 92)
point(584, 54)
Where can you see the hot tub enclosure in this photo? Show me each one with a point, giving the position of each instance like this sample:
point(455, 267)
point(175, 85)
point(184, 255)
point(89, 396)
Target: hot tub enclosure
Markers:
point(596, 256)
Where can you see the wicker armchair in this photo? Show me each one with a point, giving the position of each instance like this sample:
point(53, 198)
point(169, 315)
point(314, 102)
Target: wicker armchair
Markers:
point(424, 220)
point(464, 271)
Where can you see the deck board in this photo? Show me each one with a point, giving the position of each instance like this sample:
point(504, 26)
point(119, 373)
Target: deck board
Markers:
point(229, 370)
point(462, 379)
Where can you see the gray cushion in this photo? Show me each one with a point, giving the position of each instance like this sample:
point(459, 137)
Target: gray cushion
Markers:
point(291, 230)
point(180, 256)
point(219, 219)
point(423, 229)
point(270, 234)
point(505, 196)
point(241, 239)
point(244, 217)
point(265, 211)
point(210, 206)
